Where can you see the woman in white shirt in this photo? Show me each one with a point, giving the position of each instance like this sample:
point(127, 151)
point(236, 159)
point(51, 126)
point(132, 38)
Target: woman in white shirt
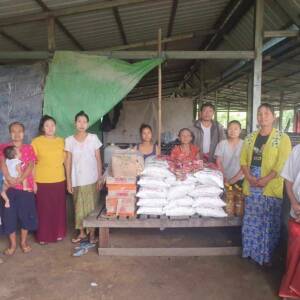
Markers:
point(84, 172)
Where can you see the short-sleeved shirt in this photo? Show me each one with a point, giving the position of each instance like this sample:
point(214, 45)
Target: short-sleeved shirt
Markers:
point(206, 138)
point(84, 163)
point(50, 159)
point(230, 157)
point(178, 154)
point(260, 142)
point(12, 165)
point(27, 156)
point(291, 172)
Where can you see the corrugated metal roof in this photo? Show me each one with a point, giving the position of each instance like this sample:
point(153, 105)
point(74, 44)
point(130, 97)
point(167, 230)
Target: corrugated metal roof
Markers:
point(12, 8)
point(94, 30)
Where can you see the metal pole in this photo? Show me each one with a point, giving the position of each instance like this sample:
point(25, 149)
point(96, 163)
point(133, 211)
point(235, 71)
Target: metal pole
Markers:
point(281, 109)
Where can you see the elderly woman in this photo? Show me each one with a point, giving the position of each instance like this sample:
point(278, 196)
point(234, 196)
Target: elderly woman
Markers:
point(263, 156)
point(22, 208)
point(50, 181)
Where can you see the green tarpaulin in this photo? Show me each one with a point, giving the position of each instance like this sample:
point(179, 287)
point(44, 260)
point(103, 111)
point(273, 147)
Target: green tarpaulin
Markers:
point(91, 83)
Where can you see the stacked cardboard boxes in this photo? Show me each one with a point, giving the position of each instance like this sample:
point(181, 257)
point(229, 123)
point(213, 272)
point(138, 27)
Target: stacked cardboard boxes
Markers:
point(121, 197)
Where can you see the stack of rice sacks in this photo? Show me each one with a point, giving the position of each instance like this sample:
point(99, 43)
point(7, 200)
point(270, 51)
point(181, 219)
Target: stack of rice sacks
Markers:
point(153, 188)
point(161, 194)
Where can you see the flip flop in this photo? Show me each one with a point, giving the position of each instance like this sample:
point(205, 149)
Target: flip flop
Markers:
point(80, 252)
point(78, 239)
point(26, 249)
point(9, 252)
point(85, 246)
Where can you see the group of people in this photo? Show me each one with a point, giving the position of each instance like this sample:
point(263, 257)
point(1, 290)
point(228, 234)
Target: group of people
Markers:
point(36, 177)
point(260, 164)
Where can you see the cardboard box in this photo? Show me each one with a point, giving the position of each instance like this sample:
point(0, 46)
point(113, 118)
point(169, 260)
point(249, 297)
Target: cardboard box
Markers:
point(127, 163)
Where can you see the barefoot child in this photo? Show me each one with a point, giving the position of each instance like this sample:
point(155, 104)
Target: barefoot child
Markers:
point(13, 163)
point(228, 154)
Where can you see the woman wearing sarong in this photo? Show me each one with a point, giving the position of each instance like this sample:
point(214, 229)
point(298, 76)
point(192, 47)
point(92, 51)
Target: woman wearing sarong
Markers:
point(50, 181)
point(263, 156)
point(290, 285)
point(84, 173)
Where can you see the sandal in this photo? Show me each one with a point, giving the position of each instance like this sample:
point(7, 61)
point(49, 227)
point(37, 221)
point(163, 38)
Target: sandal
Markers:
point(79, 239)
point(26, 249)
point(9, 251)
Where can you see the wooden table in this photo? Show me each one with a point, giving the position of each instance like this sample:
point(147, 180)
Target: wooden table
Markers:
point(100, 220)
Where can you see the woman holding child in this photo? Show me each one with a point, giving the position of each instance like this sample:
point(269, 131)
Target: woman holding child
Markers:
point(21, 208)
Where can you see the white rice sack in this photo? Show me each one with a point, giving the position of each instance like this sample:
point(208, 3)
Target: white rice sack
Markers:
point(180, 211)
point(190, 180)
point(153, 161)
point(157, 172)
point(150, 211)
point(210, 177)
point(185, 201)
point(211, 212)
point(170, 180)
point(150, 182)
point(209, 202)
point(180, 191)
point(152, 202)
point(152, 193)
point(205, 191)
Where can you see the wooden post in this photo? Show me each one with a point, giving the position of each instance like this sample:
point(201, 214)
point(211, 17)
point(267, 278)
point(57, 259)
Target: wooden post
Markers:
point(249, 103)
point(258, 48)
point(51, 34)
point(281, 110)
point(228, 112)
point(159, 127)
point(216, 106)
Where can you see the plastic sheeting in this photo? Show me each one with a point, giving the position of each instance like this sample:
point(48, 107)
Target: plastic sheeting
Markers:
point(21, 98)
point(91, 83)
point(176, 114)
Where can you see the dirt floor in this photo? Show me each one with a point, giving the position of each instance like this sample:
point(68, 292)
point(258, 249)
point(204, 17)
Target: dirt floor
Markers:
point(50, 271)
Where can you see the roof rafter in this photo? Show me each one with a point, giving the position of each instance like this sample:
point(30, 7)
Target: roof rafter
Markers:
point(60, 25)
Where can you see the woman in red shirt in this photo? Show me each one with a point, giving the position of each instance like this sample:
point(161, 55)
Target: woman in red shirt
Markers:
point(186, 150)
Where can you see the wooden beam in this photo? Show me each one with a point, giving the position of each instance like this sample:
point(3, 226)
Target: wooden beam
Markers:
point(171, 39)
point(230, 16)
point(182, 55)
point(60, 25)
point(203, 251)
point(51, 35)
point(14, 41)
point(281, 33)
point(68, 11)
point(172, 17)
point(120, 25)
point(257, 70)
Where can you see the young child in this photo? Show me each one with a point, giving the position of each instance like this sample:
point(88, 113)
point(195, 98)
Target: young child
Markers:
point(12, 160)
point(228, 154)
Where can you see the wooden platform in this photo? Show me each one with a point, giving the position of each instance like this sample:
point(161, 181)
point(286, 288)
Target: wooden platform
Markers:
point(98, 219)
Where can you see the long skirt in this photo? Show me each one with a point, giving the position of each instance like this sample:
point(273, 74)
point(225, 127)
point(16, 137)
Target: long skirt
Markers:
point(290, 285)
point(85, 200)
point(51, 208)
point(261, 224)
